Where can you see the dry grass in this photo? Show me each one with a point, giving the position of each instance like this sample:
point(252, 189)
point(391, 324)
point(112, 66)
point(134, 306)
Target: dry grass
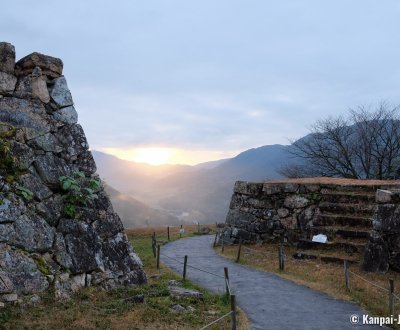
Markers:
point(95, 309)
point(328, 278)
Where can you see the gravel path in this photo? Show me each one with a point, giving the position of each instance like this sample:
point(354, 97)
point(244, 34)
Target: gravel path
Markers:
point(269, 301)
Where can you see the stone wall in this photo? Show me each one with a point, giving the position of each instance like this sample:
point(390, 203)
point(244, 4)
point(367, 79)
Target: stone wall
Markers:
point(361, 218)
point(57, 225)
point(261, 212)
point(383, 249)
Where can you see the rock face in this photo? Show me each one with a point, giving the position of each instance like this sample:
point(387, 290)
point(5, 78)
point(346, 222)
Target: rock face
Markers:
point(383, 249)
point(58, 228)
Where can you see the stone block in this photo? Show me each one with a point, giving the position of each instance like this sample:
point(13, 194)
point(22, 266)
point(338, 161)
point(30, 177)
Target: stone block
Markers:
point(383, 196)
point(7, 57)
point(7, 83)
point(50, 66)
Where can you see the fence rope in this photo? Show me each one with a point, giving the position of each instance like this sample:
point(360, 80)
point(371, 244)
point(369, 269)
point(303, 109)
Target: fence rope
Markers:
point(199, 269)
point(372, 283)
point(217, 320)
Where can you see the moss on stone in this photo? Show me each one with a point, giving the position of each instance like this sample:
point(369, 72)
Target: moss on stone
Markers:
point(41, 264)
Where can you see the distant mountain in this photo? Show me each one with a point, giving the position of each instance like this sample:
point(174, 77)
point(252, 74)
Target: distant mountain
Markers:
point(137, 214)
point(193, 193)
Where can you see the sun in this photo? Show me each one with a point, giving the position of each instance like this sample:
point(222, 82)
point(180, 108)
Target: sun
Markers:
point(152, 156)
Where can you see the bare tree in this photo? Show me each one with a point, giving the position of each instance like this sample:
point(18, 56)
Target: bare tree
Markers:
point(363, 145)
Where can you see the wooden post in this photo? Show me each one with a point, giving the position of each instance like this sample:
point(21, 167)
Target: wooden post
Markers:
point(233, 309)
point(281, 257)
point(158, 256)
point(184, 267)
point(180, 232)
point(215, 239)
point(226, 280)
point(168, 233)
point(391, 297)
point(198, 227)
point(153, 244)
point(222, 244)
point(346, 275)
point(239, 250)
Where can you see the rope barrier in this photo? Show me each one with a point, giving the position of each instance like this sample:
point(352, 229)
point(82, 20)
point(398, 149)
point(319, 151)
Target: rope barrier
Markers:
point(372, 283)
point(217, 320)
point(199, 269)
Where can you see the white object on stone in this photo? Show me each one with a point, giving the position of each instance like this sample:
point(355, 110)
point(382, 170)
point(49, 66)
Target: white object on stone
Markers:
point(320, 238)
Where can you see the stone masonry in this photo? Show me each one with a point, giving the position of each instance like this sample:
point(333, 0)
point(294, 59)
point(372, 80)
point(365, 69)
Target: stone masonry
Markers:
point(295, 210)
point(52, 235)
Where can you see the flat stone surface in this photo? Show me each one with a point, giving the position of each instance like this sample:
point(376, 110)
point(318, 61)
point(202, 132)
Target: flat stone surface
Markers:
point(269, 301)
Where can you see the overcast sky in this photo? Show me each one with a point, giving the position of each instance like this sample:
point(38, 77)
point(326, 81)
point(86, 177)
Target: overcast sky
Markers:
point(212, 76)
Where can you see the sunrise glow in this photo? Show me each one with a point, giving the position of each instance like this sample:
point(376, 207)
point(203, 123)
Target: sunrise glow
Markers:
point(162, 155)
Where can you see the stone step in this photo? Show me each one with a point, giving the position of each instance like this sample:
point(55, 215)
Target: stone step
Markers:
point(327, 219)
point(343, 232)
point(340, 246)
point(301, 255)
point(348, 197)
point(346, 208)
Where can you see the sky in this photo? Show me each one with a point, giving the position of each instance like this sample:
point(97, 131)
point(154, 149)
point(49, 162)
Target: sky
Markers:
point(183, 81)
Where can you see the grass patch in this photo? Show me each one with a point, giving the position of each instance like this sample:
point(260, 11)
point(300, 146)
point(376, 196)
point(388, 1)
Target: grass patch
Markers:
point(92, 308)
point(324, 277)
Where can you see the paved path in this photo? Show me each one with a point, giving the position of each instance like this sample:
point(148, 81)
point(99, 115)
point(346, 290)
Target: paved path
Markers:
point(269, 301)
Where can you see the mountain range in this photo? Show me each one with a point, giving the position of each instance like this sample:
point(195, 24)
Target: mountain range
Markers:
point(170, 194)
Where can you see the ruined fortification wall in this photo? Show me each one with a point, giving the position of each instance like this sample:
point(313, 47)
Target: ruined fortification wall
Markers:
point(57, 225)
point(268, 211)
point(360, 218)
point(383, 249)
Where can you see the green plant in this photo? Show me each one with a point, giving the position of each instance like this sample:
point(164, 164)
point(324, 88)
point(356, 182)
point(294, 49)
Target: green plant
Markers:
point(78, 190)
point(25, 193)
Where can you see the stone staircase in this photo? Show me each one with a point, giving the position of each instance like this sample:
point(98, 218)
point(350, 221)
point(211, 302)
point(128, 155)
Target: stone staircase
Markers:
point(345, 217)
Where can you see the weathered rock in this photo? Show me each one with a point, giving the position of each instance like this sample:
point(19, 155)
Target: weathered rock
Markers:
point(51, 209)
point(376, 257)
point(295, 202)
point(108, 226)
point(283, 213)
point(26, 114)
point(60, 93)
point(34, 184)
point(178, 308)
point(7, 57)
point(180, 292)
point(50, 66)
point(22, 154)
point(289, 223)
point(75, 142)
point(60, 252)
point(51, 168)
point(7, 83)
point(38, 246)
point(47, 142)
point(7, 233)
point(67, 115)
point(22, 271)
point(33, 234)
point(6, 285)
point(11, 207)
point(11, 297)
point(383, 196)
